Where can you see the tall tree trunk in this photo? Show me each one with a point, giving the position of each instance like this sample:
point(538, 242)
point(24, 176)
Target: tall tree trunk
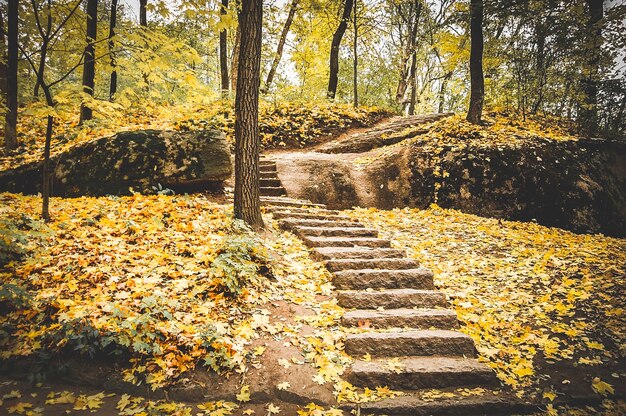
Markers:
point(3, 62)
point(413, 78)
point(89, 67)
point(477, 93)
point(442, 91)
point(617, 123)
point(540, 36)
point(355, 70)
point(333, 79)
point(143, 15)
point(234, 62)
point(408, 52)
point(224, 54)
point(281, 45)
point(589, 109)
point(247, 142)
point(10, 125)
point(112, 24)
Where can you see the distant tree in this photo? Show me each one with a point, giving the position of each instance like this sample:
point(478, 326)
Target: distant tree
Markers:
point(333, 79)
point(89, 68)
point(589, 111)
point(143, 15)
point(112, 25)
point(355, 63)
point(247, 141)
point(48, 34)
point(477, 88)
point(224, 53)
point(10, 124)
point(281, 44)
point(234, 61)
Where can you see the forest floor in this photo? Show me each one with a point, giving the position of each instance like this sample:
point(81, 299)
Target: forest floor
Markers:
point(163, 290)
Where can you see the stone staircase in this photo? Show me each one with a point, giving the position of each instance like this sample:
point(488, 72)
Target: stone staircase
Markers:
point(403, 318)
point(268, 181)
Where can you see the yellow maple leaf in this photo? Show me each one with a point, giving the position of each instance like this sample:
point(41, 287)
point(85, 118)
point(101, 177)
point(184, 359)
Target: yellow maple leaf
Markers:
point(244, 394)
point(602, 387)
point(273, 409)
point(283, 386)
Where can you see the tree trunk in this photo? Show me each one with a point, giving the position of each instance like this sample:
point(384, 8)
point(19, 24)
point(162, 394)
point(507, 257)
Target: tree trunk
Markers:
point(333, 79)
point(541, 66)
point(408, 52)
point(281, 45)
point(10, 125)
point(247, 141)
point(89, 67)
point(589, 108)
point(477, 93)
point(234, 62)
point(413, 78)
point(442, 91)
point(143, 17)
point(225, 81)
point(355, 71)
point(112, 24)
point(3, 76)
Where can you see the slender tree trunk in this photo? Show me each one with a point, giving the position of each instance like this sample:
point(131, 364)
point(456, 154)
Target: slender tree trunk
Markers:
point(617, 123)
point(225, 81)
point(112, 24)
point(10, 125)
point(413, 78)
point(247, 141)
point(333, 79)
point(477, 93)
point(589, 108)
point(89, 68)
point(234, 63)
point(355, 70)
point(541, 66)
point(143, 16)
point(408, 52)
point(3, 63)
point(442, 91)
point(281, 45)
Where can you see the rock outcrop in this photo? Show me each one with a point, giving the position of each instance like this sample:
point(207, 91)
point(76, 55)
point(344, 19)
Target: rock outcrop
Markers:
point(575, 185)
point(146, 160)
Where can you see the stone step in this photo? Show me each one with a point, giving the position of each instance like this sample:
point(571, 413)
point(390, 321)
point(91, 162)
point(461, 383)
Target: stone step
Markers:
point(492, 403)
point(408, 343)
point(268, 175)
point(391, 298)
point(336, 253)
point(415, 373)
point(273, 190)
point(304, 208)
point(267, 168)
point(309, 216)
point(335, 232)
point(346, 242)
point(359, 264)
point(288, 202)
point(290, 223)
point(273, 182)
point(267, 162)
point(401, 318)
point(416, 278)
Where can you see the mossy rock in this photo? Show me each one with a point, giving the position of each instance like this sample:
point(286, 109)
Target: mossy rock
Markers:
point(145, 160)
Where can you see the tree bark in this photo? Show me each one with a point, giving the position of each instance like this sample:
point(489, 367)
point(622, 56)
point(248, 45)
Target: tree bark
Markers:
point(442, 91)
point(355, 72)
point(281, 45)
point(143, 16)
point(112, 24)
point(247, 142)
point(234, 63)
point(225, 81)
point(333, 79)
point(89, 67)
point(413, 79)
point(477, 89)
point(589, 108)
point(10, 125)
